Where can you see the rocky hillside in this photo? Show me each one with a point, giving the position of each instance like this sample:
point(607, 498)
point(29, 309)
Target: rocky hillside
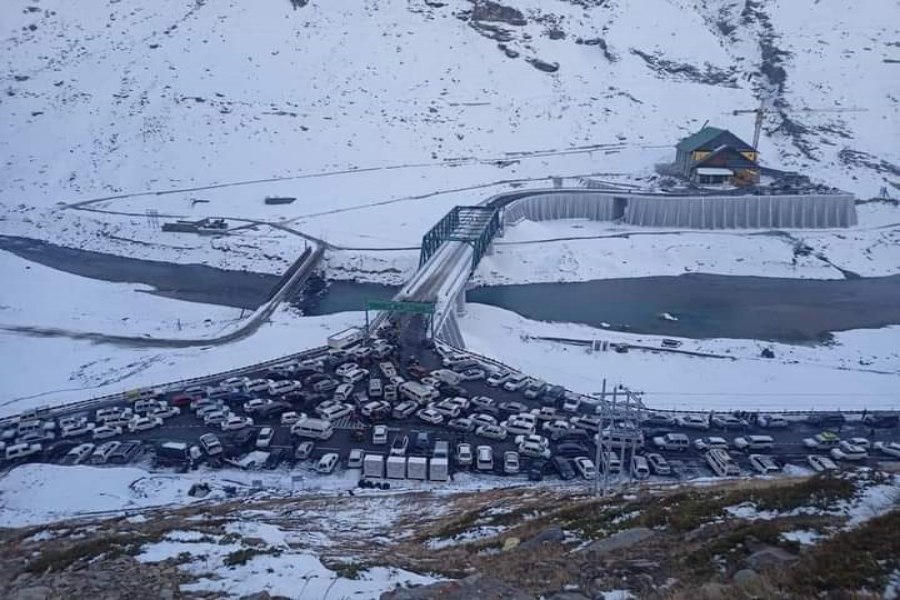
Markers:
point(125, 94)
point(782, 538)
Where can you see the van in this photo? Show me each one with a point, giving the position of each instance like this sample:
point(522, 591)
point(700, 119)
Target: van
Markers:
point(319, 429)
point(32, 426)
point(619, 437)
point(485, 458)
point(672, 441)
point(356, 375)
point(640, 469)
point(375, 388)
point(343, 391)
point(722, 464)
point(143, 406)
point(21, 450)
point(417, 392)
point(754, 442)
point(101, 454)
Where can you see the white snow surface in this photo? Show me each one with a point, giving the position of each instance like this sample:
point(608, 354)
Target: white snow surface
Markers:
point(45, 297)
point(55, 370)
point(800, 378)
point(277, 569)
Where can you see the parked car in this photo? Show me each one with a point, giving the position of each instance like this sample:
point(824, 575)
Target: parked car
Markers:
point(705, 443)
point(461, 424)
point(826, 420)
point(658, 464)
point(764, 464)
point(511, 463)
point(773, 422)
point(104, 432)
point(481, 401)
point(585, 467)
point(563, 468)
point(512, 407)
point(234, 422)
point(355, 459)
point(726, 421)
point(334, 411)
point(494, 432)
point(498, 378)
point(847, 451)
point(822, 441)
point(164, 411)
point(889, 448)
point(881, 420)
point(144, 423)
point(264, 438)
point(399, 446)
point(404, 409)
point(291, 417)
point(430, 415)
point(304, 450)
point(216, 417)
point(533, 449)
point(480, 419)
point(657, 420)
point(571, 450)
point(473, 374)
point(862, 442)
point(821, 464)
point(672, 441)
point(211, 444)
point(464, 456)
point(693, 422)
point(640, 467)
point(516, 382)
point(754, 443)
point(536, 470)
point(327, 463)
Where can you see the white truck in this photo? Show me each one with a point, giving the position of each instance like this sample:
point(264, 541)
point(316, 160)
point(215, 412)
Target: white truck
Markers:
point(346, 338)
point(417, 468)
point(373, 466)
point(396, 467)
point(440, 470)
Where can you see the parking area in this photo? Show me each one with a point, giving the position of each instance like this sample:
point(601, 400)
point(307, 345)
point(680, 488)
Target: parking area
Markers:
point(436, 414)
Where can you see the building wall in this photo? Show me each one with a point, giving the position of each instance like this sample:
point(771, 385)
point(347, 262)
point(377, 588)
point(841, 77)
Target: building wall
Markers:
point(690, 212)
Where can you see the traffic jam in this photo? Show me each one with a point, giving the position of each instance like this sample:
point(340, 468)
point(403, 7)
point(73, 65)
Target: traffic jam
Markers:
point(362, 406)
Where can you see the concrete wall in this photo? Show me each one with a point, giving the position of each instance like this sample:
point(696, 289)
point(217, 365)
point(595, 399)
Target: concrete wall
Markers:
point(689, 212)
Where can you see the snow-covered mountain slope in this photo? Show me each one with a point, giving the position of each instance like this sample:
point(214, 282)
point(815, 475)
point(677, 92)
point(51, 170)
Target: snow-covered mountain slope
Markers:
point(122, 95)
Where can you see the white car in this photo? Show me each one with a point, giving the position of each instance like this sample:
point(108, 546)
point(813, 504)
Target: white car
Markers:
point(516, 382)
point(498, 378)
point(234, 422)
point(510, 463)
point(556, 427)
point(658, 464)
point(345, 368)
point(251, 406)
point(264, 437)
point(494, 432)
point(726, 421)
point(334, 411)
point(327, 463)
point(447, 408)
point(211, 444)
point(279, 388)
point(164, 411)
point(822, 441)
point(481, 401)
point(234, 383)
point(216, 417)
point(464, 456)
point(533, 450)
point(461, 424)
point(518, 426)
point(483, 419)
point(210, 408)
point(380, 435)
point(848, 451)
point(291, 417)
point(773, 422)
point(821, 463)
point(77, 429)
point(144, 423)
point(862, 442)
point(375, 408)
point(104, 432)
point(889, 448)
point(707, 443)
point(693, 422)
point(586, 467)
point(120, 420)
point(764, 464)
point(430, 415)
point(533, 439)
point(571, 404)
point(258, 385)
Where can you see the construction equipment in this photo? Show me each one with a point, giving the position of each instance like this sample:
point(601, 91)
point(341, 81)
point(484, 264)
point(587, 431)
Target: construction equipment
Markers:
point(762, 110)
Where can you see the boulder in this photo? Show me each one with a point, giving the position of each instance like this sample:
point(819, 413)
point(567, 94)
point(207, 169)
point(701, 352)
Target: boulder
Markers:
point(769, 556)
point(747, 579)
point(619, 541)
point(568, 596)
point(550, 535)
point(473, 586)
point(543, 65)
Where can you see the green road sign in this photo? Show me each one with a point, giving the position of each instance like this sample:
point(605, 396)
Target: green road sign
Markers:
point(421, 308)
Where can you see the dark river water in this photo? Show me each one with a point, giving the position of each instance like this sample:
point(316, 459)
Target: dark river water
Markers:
point(706, 306)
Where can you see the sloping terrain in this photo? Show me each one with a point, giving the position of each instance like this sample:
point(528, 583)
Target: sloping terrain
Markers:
point(126, 95)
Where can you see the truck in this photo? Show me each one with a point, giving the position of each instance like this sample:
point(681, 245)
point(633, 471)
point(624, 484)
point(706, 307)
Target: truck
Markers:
point(417, 467)
point(439, 470)
point(373, 466)
point(396, 467)
point(346, 338)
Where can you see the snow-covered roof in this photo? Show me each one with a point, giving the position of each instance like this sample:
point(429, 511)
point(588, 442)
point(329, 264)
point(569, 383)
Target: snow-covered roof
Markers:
point(714, 171)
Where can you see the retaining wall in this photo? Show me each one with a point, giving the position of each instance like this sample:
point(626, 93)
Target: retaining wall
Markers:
point(814, 211)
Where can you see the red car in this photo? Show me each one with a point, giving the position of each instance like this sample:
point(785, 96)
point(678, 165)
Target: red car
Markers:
point(181, 400)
